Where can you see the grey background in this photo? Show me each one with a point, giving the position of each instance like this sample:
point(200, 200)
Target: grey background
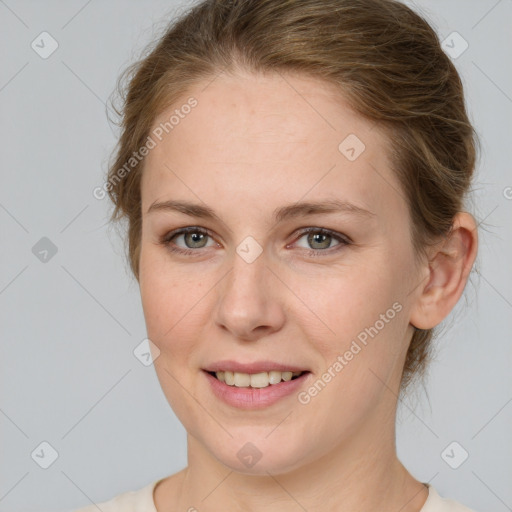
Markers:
point(69, 325)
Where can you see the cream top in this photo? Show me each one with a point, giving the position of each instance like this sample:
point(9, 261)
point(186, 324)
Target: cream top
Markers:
point(141, 500)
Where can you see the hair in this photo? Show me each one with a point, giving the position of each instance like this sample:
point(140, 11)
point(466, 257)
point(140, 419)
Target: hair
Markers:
point(385, 60)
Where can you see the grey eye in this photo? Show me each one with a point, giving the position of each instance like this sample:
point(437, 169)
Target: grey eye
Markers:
point(317, 240)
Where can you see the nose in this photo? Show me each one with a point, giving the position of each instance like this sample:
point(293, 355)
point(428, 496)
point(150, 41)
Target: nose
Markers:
point(249, 304)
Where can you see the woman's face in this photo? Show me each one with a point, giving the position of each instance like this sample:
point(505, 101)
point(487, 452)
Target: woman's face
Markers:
point(250, 289)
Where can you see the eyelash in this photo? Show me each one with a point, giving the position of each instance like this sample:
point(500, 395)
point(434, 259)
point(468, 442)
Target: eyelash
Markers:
point(167, 240)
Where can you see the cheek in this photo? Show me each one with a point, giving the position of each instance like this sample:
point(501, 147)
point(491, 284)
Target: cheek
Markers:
point(356, 313)
point(365, 349)
point(172, 305)
point(159, 289)
point(171, 310)
point(347, 300)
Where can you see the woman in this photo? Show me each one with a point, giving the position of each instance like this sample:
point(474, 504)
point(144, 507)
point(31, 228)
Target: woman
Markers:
point(293, 175)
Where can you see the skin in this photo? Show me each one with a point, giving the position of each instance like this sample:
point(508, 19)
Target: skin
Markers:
point(255, 143)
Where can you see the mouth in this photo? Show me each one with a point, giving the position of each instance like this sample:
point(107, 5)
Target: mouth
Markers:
point(255, 380)
point(257, 384)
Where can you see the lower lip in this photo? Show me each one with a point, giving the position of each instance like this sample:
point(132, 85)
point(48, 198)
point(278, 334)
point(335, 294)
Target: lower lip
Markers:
point(255, 398)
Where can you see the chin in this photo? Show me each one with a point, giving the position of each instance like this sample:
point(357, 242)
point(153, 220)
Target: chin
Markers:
point(254, 452)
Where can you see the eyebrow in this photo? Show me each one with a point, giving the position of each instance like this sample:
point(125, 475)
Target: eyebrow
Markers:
point(286, 212)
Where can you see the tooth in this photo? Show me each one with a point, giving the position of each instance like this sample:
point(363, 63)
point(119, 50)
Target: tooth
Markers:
point(242, 380)
point(259, 380)
point(256, 380)
point(274, 377)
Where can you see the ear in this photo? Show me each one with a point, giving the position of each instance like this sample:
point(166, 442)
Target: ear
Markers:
point(448, 269)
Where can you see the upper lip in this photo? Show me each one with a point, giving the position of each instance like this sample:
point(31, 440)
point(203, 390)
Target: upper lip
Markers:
point(254, 367)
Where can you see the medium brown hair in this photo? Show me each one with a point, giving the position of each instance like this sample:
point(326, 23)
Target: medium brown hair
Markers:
point(385, 60)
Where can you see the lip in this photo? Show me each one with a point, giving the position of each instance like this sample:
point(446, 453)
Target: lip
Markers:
point(255, 367)
point(255, 398)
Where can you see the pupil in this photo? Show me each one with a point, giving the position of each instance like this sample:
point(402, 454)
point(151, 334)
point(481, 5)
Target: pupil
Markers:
point(195, 238)
point(319, 238)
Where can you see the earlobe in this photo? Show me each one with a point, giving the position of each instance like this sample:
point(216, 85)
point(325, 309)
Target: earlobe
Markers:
point(448, 270)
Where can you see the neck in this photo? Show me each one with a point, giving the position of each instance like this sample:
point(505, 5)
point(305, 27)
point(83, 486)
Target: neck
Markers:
point(361, 473)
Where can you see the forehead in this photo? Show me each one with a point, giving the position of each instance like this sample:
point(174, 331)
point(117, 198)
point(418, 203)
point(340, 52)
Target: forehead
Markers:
point(267, 135)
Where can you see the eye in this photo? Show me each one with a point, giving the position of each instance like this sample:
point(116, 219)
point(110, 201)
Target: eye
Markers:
point(193, 238)
point(320, 240)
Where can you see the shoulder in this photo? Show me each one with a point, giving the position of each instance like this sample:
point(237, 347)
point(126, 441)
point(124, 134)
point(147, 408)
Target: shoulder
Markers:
point(436, 503)
point(140, 500)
